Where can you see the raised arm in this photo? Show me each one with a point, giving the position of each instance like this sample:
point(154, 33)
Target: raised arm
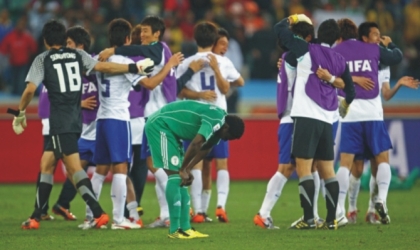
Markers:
point(294, 43)
point(221, 82)
point(390, 55)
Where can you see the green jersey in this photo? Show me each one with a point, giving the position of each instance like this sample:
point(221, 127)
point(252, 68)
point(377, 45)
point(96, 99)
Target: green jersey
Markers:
point(186, 119)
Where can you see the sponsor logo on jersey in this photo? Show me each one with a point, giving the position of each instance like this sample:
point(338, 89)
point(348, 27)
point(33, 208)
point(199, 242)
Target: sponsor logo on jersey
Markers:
point(175, 160)
point(89, 87)
point(359, 66)
point(216, 127)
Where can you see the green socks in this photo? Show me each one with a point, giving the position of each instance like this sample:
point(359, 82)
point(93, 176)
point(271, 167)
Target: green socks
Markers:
point(173, 197)
point(185, 209)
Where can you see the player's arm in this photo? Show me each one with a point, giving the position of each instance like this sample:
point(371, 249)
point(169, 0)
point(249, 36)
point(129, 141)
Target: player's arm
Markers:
point(208, 95)
point(194, 66)
point(364, 82)
point(390, 55)
point(221, 82)
point(240, 82)
point(294, 43)
point(325, 75)
point(407, 81)
point(343, 107)
point(153, 52)
point(154, 81)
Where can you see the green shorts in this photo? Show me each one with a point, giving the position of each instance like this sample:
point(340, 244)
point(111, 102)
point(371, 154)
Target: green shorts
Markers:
point(167, 151)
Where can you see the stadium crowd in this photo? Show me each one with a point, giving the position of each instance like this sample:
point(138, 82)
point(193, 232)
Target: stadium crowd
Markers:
point(248, 22)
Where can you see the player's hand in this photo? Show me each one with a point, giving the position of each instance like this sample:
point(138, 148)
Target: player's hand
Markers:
point(176, 59)
point(213, 62)
point(89, 103)
point(296, 18)
point(208, 95)
point(186, 178)
point(145, 66)
point(19, 122)
point(409, 82)
point(196, 65)
point(105, 54)
point(279, 63)
point(364, 82)
point(385, 40)
point(323, 74)
point(343, 107)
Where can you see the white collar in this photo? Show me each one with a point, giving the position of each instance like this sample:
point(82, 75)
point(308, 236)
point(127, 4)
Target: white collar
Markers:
point(325, 45)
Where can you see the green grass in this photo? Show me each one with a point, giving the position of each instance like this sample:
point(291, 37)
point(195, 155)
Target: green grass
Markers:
point(16, 203)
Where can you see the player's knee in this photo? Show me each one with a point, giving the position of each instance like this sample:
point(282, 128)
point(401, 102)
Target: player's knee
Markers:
point(286, 169)
point(221, 164)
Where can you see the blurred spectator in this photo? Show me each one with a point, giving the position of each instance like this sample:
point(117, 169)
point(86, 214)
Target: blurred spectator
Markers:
point(187, 26)
point(380, 15)
point(6, 25)
point(200, 7)
point(296, 7)
point(20, 46)
point(412, 21)
point(354, 7)
point(178, 7)
point(173, 34)
point(116, 9)
point(252, 20)
point(41, 12)
point(279, 11)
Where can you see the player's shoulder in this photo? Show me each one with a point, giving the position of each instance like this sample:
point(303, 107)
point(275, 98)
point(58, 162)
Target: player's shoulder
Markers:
point(42, 56)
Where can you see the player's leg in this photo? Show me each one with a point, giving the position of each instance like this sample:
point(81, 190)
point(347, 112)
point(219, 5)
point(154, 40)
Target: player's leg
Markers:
point(317, 183)
point(195, 192)
point(379, 144)
point(221, 153)
point(161, 146)
point(138, 173)
point(279, 179)
point(44, 188)
point(132, 204)
point(371, 215)
point(354, 187)
point(207, 181)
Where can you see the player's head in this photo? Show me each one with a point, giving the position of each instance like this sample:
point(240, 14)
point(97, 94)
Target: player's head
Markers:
point(348, 29)
point(152, 29)
point(304, 30)
point(135, 35)
point(78, 37)
point(232, 129)
point(328, 32)
point(222, 42)
point(369, 32)
point(54, 33)
point(205, 34)
point(119, 32)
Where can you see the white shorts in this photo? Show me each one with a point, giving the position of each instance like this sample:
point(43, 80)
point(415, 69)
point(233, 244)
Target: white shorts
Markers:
point(45, 126)
point(137, 127)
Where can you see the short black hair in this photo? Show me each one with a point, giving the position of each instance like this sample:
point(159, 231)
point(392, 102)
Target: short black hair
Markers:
point(348, 29)
point(221, 32)
point(156, 23)
point(54, 33)
point(118, 30)
point(205, 34)
point(80, 36)
point(135, 35)
point(364, 29)
point(303, 29)
point(236, 126)
point(328, 32)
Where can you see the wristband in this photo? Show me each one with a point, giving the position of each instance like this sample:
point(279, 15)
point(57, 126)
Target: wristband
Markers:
point(332, 79)
point(132, 68)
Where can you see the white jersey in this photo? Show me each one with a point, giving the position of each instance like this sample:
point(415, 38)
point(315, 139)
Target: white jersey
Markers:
point(156, 97)
point(369, 109)
point(89, 131)
point(114, 90)
point(291, 77)
point(205, 79)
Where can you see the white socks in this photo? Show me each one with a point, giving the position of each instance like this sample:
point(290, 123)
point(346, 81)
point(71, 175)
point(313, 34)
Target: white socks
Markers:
point(373, 194)
point(195, 191)
point(353, 192)
point(315, 175)
point(343, 180)
point(160, 187)
point(97, 182)
point(132, 209)
point(274, 188)
point(383, 178)
point(118, 196)
point(222, 187)
point(205, 200)
point(322, 184)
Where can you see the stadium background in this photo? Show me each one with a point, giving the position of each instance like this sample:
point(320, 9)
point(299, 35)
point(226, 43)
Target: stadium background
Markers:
point(252, 49)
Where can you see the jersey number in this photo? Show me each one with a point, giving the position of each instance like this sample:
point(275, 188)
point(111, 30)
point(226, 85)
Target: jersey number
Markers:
point(106, 83)
point(73, 74)
point(206, 85)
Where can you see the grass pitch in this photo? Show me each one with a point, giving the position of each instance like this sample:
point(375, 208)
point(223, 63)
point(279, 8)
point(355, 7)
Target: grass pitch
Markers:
point(245, 198)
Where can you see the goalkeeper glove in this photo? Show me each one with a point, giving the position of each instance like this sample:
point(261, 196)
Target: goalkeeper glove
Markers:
point(145, 66)
point(19, 122)
point(343, 107)
point(300, 18)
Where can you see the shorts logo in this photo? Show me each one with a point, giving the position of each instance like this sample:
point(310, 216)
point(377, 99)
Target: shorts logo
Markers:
point(216, 127)
point(175, 160)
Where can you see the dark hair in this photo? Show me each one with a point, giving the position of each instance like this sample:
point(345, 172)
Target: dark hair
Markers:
point(303, 29)
point(205, 34)
point(236, 126)
point(328, 32)
point(348, 29)
point(54, 33)
point(118, 30)
point(80, 36)
point(364, 29)
point(221, 32)
point(135, 35)
point(156, 24)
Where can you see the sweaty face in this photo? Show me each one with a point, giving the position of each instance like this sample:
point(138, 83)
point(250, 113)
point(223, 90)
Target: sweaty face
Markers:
point(147, 36)
point(70, 43)
point(374, 36)
point(221, 46)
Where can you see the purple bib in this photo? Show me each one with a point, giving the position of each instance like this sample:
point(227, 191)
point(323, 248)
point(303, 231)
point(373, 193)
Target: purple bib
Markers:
point(282, 86)
point(89, 89)
point(43, 104)
point(169, 83)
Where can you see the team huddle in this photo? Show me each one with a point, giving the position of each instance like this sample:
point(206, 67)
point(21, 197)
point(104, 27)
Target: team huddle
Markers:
point(119, 111)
